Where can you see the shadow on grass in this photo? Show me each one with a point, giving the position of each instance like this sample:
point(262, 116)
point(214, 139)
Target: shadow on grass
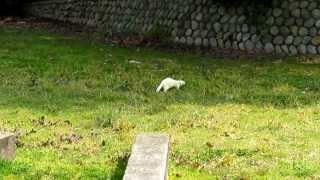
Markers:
point(121, 167)
point(8, 168)
point(281, 91)
point(66, 75)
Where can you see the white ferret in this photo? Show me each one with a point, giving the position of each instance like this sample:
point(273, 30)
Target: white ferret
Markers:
point(169, 83)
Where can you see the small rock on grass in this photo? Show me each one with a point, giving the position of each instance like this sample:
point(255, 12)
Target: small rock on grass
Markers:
point(134, 62)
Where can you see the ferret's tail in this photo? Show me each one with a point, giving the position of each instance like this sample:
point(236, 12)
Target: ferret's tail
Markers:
point(159, 87)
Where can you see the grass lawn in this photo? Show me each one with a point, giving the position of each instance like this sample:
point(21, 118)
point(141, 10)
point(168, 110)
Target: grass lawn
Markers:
point(78, 105)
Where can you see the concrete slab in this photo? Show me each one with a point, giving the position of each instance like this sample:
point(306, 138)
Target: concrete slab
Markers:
point(7, 146)
point(149, 158)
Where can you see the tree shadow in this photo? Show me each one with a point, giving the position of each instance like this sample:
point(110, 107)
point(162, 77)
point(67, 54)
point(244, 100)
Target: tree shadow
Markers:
point(44, 86)
point(13, 167)
point(121, 167)
point(283, 91)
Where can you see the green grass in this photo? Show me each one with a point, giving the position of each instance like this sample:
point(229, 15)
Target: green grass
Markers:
point(77, 106)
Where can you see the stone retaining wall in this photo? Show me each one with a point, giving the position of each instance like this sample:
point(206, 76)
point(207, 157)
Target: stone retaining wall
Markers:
point(290, 27)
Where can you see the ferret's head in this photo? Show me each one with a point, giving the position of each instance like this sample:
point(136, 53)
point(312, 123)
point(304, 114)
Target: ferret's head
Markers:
point(182, 83)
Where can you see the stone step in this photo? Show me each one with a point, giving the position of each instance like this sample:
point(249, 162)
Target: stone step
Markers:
point(7, 146)
point(149, 158)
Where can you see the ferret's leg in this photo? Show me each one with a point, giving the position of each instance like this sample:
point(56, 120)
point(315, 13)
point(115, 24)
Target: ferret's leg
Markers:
point(165, 88)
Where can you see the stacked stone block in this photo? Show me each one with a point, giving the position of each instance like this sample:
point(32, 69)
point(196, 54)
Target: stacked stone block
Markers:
point(290, 27)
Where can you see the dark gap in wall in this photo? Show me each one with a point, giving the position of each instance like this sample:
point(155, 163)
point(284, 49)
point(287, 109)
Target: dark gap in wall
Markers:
point(12, 7)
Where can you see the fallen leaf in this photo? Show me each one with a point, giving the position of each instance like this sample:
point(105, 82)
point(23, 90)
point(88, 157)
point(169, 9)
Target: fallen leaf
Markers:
point(178, 175)
point(72, 138)
point(209, 145)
